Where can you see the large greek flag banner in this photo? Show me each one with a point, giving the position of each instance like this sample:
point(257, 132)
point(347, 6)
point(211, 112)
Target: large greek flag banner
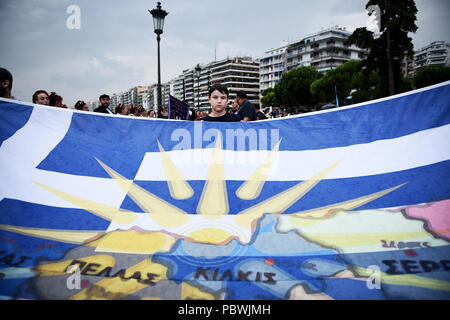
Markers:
point(349, 203)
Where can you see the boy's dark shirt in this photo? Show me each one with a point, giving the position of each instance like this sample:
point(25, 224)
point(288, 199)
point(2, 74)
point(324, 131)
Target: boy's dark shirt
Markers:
point(227, 117)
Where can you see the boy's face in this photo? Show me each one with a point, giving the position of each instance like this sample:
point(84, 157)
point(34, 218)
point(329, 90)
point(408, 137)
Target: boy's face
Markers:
point(218, 101)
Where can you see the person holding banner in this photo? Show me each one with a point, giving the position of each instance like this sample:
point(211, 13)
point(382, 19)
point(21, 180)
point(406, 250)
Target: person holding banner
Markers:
point(56, 100)
point(81, 105)
point(246, 109)
point(41, 97)
point(6, 80)
point(104, 104)
point(218, 99)
point(121, 109)
point(142, 112)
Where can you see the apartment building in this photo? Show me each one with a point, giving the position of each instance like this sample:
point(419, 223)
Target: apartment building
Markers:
point(145, 96)
point(138, 95)
point(271, 67)
point(238, 73)
point(151, 100)
point(121, 97)
point(436, 53)
point(323, 50)
point(192, 85)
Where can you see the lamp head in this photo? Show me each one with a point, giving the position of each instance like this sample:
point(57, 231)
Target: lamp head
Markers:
point(158, 18)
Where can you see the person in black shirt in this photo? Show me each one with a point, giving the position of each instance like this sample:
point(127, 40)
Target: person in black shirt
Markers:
point(104, 104)
point(246, 109)
point(218, 98)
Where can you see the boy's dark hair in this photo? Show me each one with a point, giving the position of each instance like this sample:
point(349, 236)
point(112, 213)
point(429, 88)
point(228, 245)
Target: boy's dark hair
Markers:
point(6, 75)
point(219, 87)
point(104, 96)
point(241, 94)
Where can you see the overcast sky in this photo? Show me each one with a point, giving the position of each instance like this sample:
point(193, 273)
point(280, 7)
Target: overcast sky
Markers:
point(115, 47)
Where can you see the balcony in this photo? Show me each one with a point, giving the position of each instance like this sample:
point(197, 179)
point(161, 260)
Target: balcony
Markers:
point(437, 62)
point(437, 54)
point(235, 66)
point(331, 56)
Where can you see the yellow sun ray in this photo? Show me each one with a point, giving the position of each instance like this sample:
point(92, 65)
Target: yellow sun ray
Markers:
point(406, 280)
point(251, 188)
point(106, 212)
point(282, 201)
point(179, 188)
point(133, 242)
point(162, 212)
point(115, 288)
point(214, 199)
point(210, 236)
point(69, 236)
point(330, 210)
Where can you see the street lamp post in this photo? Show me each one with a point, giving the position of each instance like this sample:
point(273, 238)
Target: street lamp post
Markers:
point(158, 24)
point(198, 70)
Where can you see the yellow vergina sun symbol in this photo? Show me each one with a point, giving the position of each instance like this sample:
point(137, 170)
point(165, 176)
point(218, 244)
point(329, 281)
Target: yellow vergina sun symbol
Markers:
point(162, 224)
point(211, 224)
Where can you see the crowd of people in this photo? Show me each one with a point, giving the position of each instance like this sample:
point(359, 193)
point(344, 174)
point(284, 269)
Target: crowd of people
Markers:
point(241, 109)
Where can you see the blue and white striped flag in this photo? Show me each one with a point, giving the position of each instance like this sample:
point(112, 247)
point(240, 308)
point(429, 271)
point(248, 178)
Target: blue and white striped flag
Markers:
point(348, 203)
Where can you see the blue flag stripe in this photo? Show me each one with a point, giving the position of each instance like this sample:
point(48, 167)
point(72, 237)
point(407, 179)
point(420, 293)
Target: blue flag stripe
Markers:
point(383, 120)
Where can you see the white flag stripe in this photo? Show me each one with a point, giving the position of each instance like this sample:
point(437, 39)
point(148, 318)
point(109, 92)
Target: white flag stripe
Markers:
point(43, 131)
point(21, 186)
point(41, 134)
point(358, 160)
point(36, 139)
point(383, 156)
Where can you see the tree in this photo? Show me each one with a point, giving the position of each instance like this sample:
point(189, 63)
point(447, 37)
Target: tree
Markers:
point(293, 89)
point(268, 98)
point(386, 52)
point(430, 75)
point(338, 79)
point(366, 86)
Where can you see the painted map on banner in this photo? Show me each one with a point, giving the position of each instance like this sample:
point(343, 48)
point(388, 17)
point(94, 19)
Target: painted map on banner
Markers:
point(348, 203)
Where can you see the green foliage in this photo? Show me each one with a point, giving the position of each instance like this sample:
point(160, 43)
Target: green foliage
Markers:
point(293, 90)
point(323, 89)
point(268, 98)
point(366, 86)
point(400, 17)
point(430, 75)
point(406, 84)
